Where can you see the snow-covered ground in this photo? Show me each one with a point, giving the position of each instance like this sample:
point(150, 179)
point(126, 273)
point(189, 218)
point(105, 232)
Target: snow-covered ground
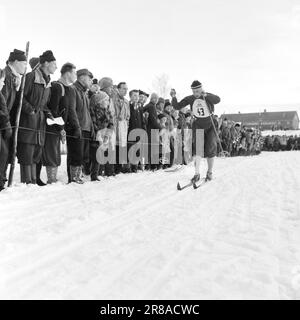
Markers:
point(135, 236)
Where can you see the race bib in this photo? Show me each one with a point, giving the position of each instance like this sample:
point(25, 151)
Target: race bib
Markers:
point(200, 109)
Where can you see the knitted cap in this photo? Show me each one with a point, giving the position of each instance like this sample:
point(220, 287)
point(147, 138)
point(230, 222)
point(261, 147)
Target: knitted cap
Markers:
point(47, 56)
point(196, 84)
point(17, 55)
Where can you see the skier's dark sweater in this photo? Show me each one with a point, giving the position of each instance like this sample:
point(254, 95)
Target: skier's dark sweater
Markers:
point(198, 106)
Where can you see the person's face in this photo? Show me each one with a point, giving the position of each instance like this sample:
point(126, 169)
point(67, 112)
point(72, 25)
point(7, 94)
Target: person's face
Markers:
point(94, 88)
point(176, 114)
point(134, 97)
point(163, 121)
point(2, 83)
point(168, 109)
point(197, 92)
point(86, 81)
point(160, 106)
point(108, 90)
point(72, 76)
point(225, 123)
point(123, 90)
point(51, 66)
point(154, 99)
point(145, 99)
point(20, 66)
point(141, 98)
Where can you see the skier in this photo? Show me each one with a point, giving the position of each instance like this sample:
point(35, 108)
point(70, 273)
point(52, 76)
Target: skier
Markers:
point(202, 107)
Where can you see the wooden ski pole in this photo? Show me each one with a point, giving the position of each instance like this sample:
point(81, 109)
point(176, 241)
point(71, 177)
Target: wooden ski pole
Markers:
point(15, 136)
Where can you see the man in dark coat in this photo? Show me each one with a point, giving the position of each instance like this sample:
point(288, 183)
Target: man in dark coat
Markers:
point(15, 68)
point(31, 137)
point(136, 121)
point(61, 104)
point(79, 147)
point(4, 124)
point(202, 106)
point(153, 127)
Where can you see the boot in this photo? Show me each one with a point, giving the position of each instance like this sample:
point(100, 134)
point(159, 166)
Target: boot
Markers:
point(51, 174)
point(78, 175)
point(55, 170)
point(195, 178)
point(75, 173)
point(208, 176)
point(39, 182)
point(2, 183)
point(22, 173)
point(27, 174)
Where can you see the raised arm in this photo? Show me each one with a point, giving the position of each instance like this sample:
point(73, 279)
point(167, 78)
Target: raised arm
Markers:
point(212, 98)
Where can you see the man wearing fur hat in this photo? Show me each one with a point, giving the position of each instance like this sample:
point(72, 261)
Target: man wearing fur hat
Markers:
point(34, 112)
point(14, 69)
point(202, 106)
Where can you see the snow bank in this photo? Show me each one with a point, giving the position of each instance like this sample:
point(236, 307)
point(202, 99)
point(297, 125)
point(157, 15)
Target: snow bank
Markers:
point(281, 133)
point(135, 236)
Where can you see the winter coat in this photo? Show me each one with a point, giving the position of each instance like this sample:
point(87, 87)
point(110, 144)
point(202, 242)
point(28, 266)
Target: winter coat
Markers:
point(196, 104)
point(63, 104)
point(122, 114)
point(100, 114)
point(34, 108)
point(11, 87)
point(152, 123)
point(83, 108)
point(4, 116)
point(136, 120)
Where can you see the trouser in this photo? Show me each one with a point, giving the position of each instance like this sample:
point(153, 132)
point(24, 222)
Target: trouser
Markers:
point(95, 166)
point(29, 154)
point(51, 152)
point(3, 160)
point(210, 142)
point(78, 151)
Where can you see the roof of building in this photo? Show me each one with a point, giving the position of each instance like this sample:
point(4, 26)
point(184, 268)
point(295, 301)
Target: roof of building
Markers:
point(263, 116)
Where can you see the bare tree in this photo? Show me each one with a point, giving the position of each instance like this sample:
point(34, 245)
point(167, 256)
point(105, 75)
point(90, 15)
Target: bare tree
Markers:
point(160, 85)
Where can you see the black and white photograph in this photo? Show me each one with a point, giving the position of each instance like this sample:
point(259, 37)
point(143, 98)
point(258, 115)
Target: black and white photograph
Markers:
point(149, 150)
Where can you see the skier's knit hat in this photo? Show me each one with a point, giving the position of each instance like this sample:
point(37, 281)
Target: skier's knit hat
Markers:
point(47, 56)
point(196, 84)
point(33, 62)
point(17, 55)
point(84, 72)
point(105, 82)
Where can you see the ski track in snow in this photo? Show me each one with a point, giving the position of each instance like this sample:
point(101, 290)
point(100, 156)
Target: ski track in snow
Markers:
point(135, 236)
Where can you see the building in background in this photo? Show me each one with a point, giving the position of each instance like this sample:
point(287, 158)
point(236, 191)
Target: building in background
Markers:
point(281, 120)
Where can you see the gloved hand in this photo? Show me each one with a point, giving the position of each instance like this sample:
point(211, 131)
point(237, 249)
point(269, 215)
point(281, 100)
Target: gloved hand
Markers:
point(50, 116)
point(7, 133)
point(63, 136)
point(77, 133)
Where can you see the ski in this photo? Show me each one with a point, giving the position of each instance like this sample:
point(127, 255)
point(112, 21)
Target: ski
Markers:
point(180, 188)
point(201, 183)
point(198, 185)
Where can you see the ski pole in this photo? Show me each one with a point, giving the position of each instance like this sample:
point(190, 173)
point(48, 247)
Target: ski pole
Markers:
point(15, 137)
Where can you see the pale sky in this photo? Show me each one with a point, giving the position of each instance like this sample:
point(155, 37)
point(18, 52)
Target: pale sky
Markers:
point(247, 52)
